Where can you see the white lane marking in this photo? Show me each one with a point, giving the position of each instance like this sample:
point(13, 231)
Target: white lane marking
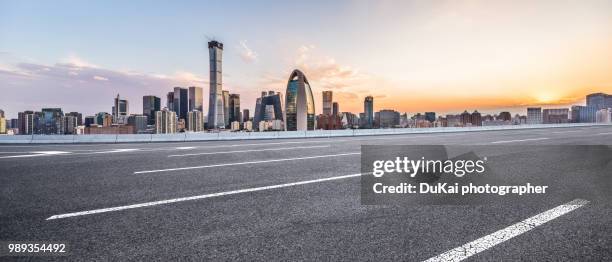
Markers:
point(563, 132)
point(244, 163)
point(38, 153)
point(185, 147)
point(175, 200)
point(519, 140)
point(608, 133)
point(121, 150)
point(251, 150)
point(486, 242)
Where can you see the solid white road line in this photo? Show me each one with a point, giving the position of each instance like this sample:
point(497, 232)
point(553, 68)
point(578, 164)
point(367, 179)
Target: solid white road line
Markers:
point(251, 150)
point(486, 242)
point(38, 153)
point(519, 140)
point(244, 163)
point(174, 200)
point(608, 133)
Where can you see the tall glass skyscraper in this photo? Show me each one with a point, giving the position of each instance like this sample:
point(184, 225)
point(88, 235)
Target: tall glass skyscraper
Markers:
point(195, 98)
point(368, 110)
point(299, 103)
point(216, 118)
point(181, 102)
point(327, 102)
point(150, 105)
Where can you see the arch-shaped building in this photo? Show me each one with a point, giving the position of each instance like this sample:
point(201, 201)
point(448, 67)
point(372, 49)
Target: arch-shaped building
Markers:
point(299, 103)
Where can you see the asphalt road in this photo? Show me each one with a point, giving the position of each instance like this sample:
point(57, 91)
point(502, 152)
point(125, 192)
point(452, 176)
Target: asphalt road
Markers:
point(114, 202)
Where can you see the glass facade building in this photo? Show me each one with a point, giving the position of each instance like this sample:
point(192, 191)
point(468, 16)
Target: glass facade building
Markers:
point(299, 103)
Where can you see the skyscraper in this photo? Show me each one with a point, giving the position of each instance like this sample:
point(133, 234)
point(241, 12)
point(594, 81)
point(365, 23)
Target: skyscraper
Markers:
point(120, 110)
point(599, 100)
point(299, 103)
point(335, 109)
point(195, 98)
point(26, 122)
point(195, 121)
point(327, 102)
point(170, 101)
point(216, 118)
point(368, 110)
point(234, 108)
point(226, 108)
point(150, 105)
point(165, 122)
point(266, 99)
point(534, 115)
point(181, 102)
point(245, 115)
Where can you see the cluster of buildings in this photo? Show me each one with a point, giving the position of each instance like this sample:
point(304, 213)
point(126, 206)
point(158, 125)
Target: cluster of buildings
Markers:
point(295, 111)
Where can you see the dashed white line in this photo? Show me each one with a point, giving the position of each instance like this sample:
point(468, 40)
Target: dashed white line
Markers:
point(175, 200)
point(244, 163)
point(486, 242)
point(250, 150)
point(608, 133)
point(519, 140)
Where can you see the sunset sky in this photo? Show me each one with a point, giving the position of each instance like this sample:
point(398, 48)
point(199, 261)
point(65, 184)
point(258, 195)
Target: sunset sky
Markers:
point(412, 56)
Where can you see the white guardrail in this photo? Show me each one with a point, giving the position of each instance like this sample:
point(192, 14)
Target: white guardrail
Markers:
point(205, 136)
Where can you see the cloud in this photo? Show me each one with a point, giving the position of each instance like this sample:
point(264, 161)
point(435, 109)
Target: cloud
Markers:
point(246, 53)
point(99, 78)
point(76, 61)
point(78, 86)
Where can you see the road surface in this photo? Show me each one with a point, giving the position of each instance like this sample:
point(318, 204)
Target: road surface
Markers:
point(283, 199)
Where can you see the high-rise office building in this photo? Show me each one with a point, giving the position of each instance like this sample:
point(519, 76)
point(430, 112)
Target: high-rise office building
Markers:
point(555, 116)
point(195, 121)
point(69, 124)
point(120, 110)
point(387, 118)
point(181, 102)
point(299, 103)
point(170, 101)
point(583, 114)
point(599, 100)
point(2, 113)
point(139, 122)
point(2, 124)
point(476, 118)
point(266, 99)
point(245, 115)
point(165, 122)
point(78, 117)
point(51, 121)
point(335, 109)
point(327, 102)
point(195, 99)
point(216, 117)
point(226, 108)
point(534, 115)
point(368, 110)
point(150, 105)
point(26, 122)
point(234, 108)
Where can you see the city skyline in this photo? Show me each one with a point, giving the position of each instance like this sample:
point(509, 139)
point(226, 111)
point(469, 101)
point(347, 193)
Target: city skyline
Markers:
point(431, 59)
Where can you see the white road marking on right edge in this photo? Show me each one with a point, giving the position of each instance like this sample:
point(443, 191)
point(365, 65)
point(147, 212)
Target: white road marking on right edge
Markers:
point(243, 163)
point(519, 140)
point(250, 150)
point(488, 241)
point(174, 200)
